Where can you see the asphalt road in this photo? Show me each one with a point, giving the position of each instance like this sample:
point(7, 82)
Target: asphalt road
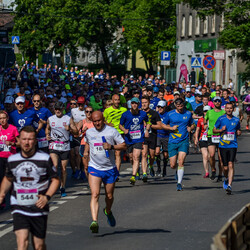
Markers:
point(149, 216)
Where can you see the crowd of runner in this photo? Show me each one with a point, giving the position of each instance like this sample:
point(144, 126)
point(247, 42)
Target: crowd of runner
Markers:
point(53, 117)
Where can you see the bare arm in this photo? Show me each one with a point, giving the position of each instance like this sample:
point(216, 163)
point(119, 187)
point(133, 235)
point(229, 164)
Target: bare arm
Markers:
point(157, 126)
point(216, 131)
point(121, 146)
point(47, 131)
point(72, 127)
point(5, 187)
point(123, 129)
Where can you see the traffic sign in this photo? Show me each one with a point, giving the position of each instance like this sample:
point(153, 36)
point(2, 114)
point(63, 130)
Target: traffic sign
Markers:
point(209, 62)
point(195, 62)
point(15, 40)
point(165, 55)
point(165, 63)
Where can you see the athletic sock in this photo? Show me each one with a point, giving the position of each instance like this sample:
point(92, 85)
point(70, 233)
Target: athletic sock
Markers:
point(158, 161)
point(180, 173)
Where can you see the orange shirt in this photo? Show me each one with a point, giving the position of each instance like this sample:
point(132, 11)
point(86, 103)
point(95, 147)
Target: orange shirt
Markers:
point(169, 98)
point(88, 125)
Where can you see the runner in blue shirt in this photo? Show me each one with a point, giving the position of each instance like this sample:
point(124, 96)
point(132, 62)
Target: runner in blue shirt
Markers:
point(21, 117)
point(229, 128)
point(162, 141)
point(132, 124)
point(180, 123)
point(43, 114)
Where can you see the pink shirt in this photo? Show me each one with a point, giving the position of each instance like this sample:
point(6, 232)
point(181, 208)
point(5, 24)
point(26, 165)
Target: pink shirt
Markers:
point(8, 134)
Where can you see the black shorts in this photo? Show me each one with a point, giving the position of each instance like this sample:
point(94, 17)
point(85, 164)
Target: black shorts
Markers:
point(248, 112)
point(162, 141)
point(63, 155)
point(37, 225)
point(228, 155)
point(76, 142)
point(151, 141)
point(210, 143)
point(3, 165)
point(203, 144)
point(137, 145)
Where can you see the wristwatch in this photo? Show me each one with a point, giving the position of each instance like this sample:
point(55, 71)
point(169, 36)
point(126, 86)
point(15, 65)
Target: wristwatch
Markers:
point(112, 147)
point(48, 197)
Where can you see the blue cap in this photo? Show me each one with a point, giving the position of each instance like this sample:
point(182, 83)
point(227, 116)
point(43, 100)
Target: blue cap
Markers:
point(69, 94)
point(135, 99)
point(156, 89)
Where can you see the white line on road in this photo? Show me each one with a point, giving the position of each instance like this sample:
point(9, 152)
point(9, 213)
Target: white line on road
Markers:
point(5, 231)
point(57, 202)
point(52, 208)
point(6, 222)
point(68, 198)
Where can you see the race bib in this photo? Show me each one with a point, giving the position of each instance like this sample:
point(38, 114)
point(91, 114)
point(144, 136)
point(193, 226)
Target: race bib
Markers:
point(204, 137)
point(57, 146)
point(229, 136)
point(215, 138)
point(135, 134)
point(98, 148)
point(4, 147)
point(42, 142)
point(26, 197)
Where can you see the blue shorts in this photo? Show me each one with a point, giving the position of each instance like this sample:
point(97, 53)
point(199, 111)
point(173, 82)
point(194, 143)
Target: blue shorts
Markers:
point(107, 176)
point(175, 148)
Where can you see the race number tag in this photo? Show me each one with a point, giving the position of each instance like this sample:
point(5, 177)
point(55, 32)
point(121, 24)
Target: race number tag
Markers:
point(4, 147)
point(204, 137)
point(57, 146)
point(98, 148)
point(26, 197)
point(135, 134)
point(229, 136)
point(215, 138)
point(42, 142)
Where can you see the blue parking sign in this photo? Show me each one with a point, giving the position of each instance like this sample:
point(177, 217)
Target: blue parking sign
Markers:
point(165, 55)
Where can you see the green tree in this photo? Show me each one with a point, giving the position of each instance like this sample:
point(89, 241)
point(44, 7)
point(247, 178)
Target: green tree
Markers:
point(150, 26)
point(236, 30)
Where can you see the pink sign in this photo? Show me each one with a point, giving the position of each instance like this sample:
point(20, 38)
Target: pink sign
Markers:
point(184, 72)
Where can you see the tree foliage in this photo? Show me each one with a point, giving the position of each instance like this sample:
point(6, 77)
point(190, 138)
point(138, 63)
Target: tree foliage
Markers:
point(150, 26)
point(236, 30)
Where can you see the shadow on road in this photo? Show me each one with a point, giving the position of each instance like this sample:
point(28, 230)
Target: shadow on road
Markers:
point(135, 231)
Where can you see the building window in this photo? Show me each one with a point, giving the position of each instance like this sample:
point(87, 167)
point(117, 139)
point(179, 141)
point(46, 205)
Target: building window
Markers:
point(197, 26)
point(183, 26)
point(205, 26)
point(213, 23)
point(190, 25)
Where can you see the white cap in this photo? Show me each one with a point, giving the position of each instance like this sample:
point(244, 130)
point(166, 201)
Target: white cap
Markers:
point(149, 80)
point(20, 99)
point(206, 108)
point(188, 89)
point(161, 103)
point(176, 93)
point(9, 99)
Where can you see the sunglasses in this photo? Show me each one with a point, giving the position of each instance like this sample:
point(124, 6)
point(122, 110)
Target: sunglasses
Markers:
point(36, 100)
point(217, 101)
point(73, 103)
point(160, 107)
point(88, 111)
point(58, 109)
point(20, 103)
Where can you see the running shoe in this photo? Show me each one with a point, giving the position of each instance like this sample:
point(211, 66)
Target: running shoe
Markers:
point(94, 227)
point(137, 177)
point(164, 172)
point(179, 187)
point(144, 177)
point(63, 192)
point(247, 127)
point(158, 172)
point(111, 219)
point(151, 171)
point(229, 189)
point(219, 178)
point(206, 175)
point(132, 180)
point(213, 175)
point(225, 183)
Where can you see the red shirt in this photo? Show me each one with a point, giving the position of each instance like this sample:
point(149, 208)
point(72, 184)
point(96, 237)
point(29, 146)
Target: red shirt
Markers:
point(200, 125)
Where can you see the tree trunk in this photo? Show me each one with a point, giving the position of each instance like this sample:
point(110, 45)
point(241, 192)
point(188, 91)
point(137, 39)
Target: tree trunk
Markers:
point(151, 70)
point(134, 62)
point(105, 57)
point(62, 59)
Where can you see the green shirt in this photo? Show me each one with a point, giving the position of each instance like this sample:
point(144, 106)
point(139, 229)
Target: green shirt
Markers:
point(188, 106)
point(211, 117)
point(113, 116)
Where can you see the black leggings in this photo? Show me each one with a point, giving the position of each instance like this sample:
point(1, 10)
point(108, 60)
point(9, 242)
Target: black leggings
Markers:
point(3, 164)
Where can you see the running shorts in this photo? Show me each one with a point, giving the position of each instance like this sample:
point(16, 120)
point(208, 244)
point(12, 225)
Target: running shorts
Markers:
point(137, 145)
point(228, 155)
point(151, 141)
point(75, 142)
point(107, 176)
point(203, 144)
point(210, 143)
point(63, 155)
point(162, 141)
point(37, 225)
point(175, 148)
